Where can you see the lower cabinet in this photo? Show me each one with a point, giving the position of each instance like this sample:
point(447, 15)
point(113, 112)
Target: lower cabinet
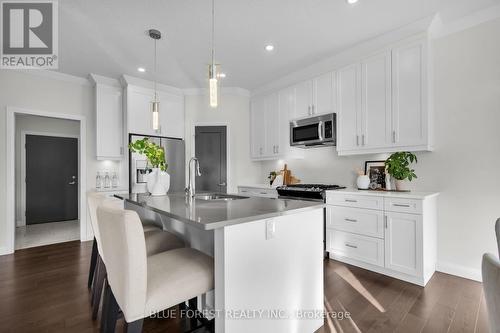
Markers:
point(387, 240)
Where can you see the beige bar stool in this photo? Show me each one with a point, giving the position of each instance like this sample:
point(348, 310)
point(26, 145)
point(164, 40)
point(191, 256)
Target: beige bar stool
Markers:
point(491, 286)
point(139, 285)
point(157, 241)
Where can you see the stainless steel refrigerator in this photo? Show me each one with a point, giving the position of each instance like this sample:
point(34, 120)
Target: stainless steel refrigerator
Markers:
point(174, 155)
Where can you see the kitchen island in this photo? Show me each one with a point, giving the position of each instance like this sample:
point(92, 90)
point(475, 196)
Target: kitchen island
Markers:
point(268, 256)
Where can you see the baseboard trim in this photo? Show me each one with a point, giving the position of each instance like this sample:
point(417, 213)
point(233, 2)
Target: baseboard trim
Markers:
point(4, 250)
point(458, 270)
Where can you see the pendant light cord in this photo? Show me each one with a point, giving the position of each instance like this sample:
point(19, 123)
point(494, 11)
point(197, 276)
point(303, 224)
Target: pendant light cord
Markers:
point(155, 74)
point(213, 34)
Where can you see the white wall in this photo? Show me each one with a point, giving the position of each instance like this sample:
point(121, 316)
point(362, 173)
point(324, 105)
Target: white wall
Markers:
point(42, 125)
point(465, 164)
point(38, 91)
point(233, 111)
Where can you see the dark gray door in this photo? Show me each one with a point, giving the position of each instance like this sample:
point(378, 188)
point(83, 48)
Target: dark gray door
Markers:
point(51, 179)
point(210, 149)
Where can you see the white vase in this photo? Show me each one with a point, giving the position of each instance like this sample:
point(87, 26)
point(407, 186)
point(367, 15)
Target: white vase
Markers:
point(158, 182)
point(401, 185)
point(363, 182)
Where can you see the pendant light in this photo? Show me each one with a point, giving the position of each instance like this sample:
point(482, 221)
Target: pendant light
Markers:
point(155, 104)
point(213, 68)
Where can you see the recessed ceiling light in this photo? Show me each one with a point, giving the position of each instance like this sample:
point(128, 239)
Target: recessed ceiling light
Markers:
point(269, 48)
point(141, 69)
point(351, 2)
point(221, 75)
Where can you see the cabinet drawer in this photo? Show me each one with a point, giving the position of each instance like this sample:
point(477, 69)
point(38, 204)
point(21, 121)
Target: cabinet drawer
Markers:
point(356, 220)
point(400, 205)
point(362, 248)
point(359, 201)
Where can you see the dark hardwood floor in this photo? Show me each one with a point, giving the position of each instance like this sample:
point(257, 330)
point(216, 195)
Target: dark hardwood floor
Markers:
point(44, 289)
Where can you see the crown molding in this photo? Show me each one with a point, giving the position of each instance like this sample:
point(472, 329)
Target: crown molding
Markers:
point(99, 79)
point(236, 91)
point(127, 80)
point(54, 75)
point(439, 29)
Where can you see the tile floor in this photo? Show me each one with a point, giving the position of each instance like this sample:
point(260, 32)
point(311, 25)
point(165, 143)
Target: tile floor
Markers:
point(47, 233)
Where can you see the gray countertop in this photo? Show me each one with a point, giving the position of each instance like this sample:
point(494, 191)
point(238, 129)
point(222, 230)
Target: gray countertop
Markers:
point(209, 215)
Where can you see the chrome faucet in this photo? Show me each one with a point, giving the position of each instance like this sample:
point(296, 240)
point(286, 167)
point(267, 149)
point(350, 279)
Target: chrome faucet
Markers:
point(191, 189)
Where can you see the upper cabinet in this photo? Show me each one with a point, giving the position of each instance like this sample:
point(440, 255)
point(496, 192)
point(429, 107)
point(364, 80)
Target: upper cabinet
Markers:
point(381, 101)
point(392, 112)
point(139, 97)
point(313, 97)
point(109, 118)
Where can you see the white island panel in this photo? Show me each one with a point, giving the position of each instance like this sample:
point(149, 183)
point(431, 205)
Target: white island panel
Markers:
point(281, 275)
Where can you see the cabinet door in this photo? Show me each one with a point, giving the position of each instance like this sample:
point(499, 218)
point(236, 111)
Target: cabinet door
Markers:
point(323, 94)
point(409, 93)
point(257, 127)
point(349, 103)
point(287, 107)
point(303, 99)
point(171, 115)
point(376, 101)
point(272, 124)
point(109, 122)
point(403, 243)
point(139, 119)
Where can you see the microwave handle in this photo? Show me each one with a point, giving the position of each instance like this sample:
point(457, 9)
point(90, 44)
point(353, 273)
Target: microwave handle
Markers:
point(320, 130)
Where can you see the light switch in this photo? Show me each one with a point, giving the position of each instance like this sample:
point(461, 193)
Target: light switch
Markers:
point(270, 229)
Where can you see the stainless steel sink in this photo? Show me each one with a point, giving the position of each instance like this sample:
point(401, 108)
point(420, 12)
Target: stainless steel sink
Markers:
point(218, 197)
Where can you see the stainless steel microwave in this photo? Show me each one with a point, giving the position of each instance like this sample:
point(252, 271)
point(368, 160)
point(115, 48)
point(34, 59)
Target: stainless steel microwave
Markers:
point(315, 131)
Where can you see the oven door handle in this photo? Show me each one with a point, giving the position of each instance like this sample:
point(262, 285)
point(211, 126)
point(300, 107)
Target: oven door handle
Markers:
point(320, 130)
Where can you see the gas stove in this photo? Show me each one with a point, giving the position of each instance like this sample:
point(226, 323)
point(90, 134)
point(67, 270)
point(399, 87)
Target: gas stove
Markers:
point(306, 191)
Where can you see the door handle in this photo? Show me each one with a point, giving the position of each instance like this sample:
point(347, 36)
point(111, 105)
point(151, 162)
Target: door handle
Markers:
point(320, 130)
point(222, 184)
point(351, 246)
point(72, 183)
point(350, 220)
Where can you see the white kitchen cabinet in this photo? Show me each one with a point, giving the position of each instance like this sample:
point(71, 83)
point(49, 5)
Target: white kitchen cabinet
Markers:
point(409, 95)
point(109, 118)
point(272, 124)
point(314, 97)
point(258, 191)
point(139, 119)
point(349, 107)
point(257, 127)
point(376, 101)
point(389, 233)
point(403, 244)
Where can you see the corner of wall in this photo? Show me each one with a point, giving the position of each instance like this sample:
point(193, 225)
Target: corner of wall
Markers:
point(458, 270)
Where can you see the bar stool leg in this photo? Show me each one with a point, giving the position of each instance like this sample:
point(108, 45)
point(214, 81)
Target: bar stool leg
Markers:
point(93, 261)
point(134, 327)
point(98, 287)
point(110, 311)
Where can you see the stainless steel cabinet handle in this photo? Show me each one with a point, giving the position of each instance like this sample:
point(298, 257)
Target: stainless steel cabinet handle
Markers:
point(320, 130)
point(357, 140)
point(312, 109)
point(260, 150)
point(72, 183)
point(350, 200)
point(263, 193)
point(394, 136)
point(385, 221)
point(309, 110)
point(350, 220)
point(222, 184)
point(363, 139)
point(401, 205)
point(277, 149)
point(351, 246)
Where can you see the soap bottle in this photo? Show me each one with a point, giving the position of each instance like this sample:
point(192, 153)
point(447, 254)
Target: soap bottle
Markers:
point(114, 180)
point(98, 180)
point(107, 180)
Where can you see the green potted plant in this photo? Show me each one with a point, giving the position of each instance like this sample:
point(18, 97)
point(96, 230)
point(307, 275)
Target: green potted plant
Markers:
point(158, 180)
point(272, 177)
point(399, 167)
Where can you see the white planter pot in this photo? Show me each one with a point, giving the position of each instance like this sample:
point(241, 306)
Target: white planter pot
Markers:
point(158, 182)
point(363, 182)
point(401, 185)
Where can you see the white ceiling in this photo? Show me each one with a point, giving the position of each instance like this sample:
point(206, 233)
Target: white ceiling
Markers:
point(109, 37)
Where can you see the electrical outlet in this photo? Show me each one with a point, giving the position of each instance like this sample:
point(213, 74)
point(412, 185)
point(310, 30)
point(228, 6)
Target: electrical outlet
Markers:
point(270, 229)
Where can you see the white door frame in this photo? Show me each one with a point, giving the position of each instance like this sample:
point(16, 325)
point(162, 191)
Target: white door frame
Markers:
point(228, 146)
point(10, 216)
point(22, 221)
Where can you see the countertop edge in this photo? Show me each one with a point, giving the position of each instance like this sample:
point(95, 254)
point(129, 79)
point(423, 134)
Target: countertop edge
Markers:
point(389, 194)
point(226, 223)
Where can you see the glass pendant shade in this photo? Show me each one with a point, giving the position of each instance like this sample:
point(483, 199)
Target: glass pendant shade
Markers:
point(213, 85)
point(155, 111)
